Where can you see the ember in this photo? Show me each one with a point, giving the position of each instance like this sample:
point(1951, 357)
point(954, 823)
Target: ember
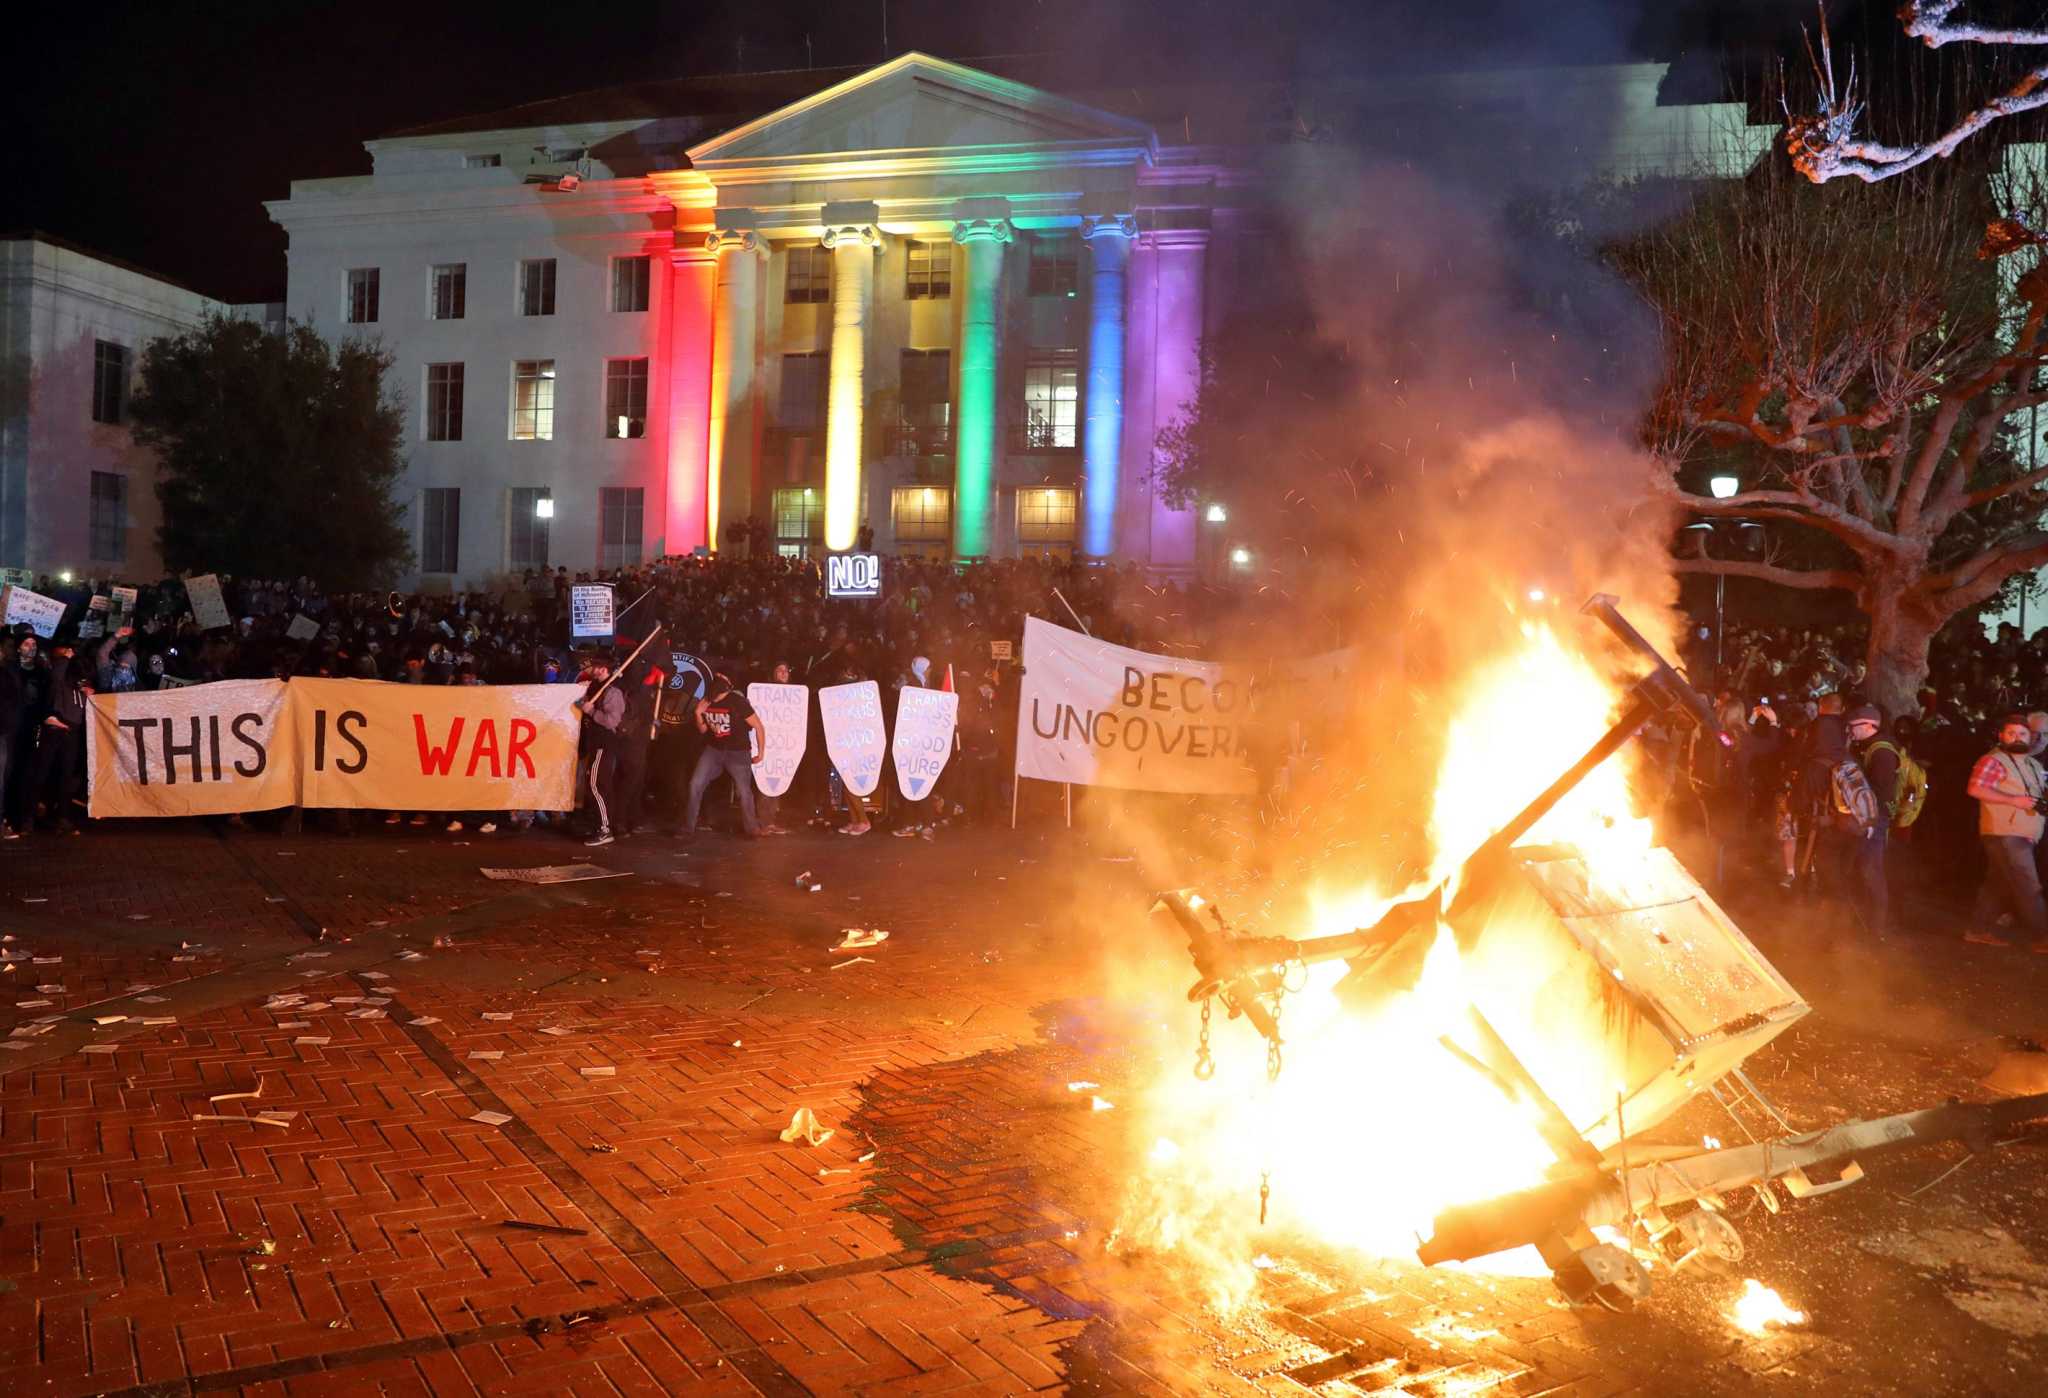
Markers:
point(1759, 1307)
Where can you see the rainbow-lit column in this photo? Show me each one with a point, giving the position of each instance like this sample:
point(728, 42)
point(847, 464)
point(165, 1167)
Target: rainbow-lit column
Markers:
point(983, 227)
point(735, 322)
point(851, 234)
point(693, 274)
point(1109, 240)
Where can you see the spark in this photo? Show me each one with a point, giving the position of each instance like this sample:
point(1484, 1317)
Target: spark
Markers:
point(1759, 1307)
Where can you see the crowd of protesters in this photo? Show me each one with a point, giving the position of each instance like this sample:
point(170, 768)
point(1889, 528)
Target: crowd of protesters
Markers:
point(723, 624)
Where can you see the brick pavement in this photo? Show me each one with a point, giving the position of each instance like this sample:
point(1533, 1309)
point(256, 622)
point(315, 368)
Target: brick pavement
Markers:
point(950, 1237)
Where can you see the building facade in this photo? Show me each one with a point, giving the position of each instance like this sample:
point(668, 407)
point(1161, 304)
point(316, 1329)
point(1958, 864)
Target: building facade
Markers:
point(77, 495)
point(926, 307)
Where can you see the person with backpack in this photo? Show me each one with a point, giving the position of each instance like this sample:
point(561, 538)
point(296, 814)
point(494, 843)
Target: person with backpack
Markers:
point(1869, 816)
point(2008, 786)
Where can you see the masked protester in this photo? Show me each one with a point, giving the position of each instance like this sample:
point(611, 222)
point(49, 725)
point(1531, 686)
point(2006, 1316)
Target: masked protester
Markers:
point(605, 707)
point(731, 729)
point(2008, 786)
point(1863, 875)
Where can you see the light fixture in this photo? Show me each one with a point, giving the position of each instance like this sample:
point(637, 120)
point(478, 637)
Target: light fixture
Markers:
point(1218, 515)
point(1240, 557)
point(544, 508)
point(64, 577)
point(1724, 487)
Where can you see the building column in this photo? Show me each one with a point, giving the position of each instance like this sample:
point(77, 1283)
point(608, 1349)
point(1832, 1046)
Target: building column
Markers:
point(974, 429)
point(735, 332)
point(692, 277)
point(851, 234)
point(1177, 306)
point(1109, 241)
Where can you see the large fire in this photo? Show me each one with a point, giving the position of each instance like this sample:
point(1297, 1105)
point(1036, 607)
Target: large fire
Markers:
point(1372, 1126)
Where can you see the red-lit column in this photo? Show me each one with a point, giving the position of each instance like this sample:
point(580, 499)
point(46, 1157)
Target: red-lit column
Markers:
point(692, 271)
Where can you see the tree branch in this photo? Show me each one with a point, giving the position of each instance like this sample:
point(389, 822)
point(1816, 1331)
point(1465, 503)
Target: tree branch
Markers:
point(1799, 506)
point(1985, 574)
point(1817, 580)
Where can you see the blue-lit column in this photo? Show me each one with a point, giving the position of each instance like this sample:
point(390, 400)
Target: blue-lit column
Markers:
point(984, 232)
point(1109, 242)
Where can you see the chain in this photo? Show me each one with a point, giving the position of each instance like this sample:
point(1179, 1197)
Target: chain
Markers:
point(1205, 1062)
point(1265, 1193)
point(1273, 1046)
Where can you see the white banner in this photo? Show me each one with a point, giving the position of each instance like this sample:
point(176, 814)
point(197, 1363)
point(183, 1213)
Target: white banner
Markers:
point(41, 613)
point(302, 628)
point(1102, 715)
point(209, 608)
point(590, 610)
point(853, 733)
point(925, 719)
point(785, 711)
point(201, 750)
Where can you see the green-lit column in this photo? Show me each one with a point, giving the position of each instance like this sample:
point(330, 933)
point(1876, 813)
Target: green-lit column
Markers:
point(974, 434)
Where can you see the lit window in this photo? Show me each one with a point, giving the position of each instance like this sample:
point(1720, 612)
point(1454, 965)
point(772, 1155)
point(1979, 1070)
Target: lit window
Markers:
point(533, 400)
point(483, 162)
point(1045, 516)
point(929, 272)
point(807, 276)
point(619, 515)
point(109, 518)
point(1055, 265)
point(109, 381)
point(526, 534)
point(446, 291)
point(799, 518)
point(1052, 399)
point(362, 296)
point(537, 287)
point(625, 397)
point(444, 403)
point(629, 283)
point(440, 529)
point(923, 514)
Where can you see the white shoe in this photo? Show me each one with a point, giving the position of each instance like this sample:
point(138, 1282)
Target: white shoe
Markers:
point(489, 827)
point(602, 837)
point(455, 827)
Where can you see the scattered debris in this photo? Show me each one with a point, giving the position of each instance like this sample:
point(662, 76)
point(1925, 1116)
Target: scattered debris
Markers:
point(859, 938)
point(1083, 1086)
point(852, 961)
point(490, 1118)
point(488, 1055)
point(551, 873)
point(524, 1226)
point(804, 1127)
point(256, 1091)
point(423, 1021)
point(244, 1120)
point(497, 1014)
point(599, 1072)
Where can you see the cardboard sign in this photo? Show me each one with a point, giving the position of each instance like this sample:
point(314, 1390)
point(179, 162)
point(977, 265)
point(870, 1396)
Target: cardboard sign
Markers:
point(98, 602)
point(1103, 715)
point(124, 601)
point(302, 628)
point(853, 733)
point(785, 711)
point(925, 719)
point(590, 610)
point(16, 577)
point(93, 628)
point(1001, 650)
point(209, 608)
point(18, 604)
point(173, 682)
point(853, 575)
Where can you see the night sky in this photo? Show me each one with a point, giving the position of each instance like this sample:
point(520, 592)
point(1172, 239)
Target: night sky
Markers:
point(152, 132)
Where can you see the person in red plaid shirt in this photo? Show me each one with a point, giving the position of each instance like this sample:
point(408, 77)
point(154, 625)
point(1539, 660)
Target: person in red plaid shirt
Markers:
point(2008, 786)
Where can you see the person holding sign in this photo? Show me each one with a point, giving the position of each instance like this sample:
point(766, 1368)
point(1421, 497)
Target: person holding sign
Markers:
point(730, 728)
point(605, 707)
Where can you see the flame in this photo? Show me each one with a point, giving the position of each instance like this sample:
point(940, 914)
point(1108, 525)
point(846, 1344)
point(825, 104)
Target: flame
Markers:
point(1372, 1126)
point(1759, 1307)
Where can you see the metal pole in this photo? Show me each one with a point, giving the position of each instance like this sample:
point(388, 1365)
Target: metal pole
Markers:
point(1720, 621)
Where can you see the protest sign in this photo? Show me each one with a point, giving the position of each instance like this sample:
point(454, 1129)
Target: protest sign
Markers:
point(853, 575)
point(1001, 650)
point(590, 610)
point(16, 577)
point(1104, 715)
point(124, 601)
point(302, 628)
point(785, 711)
point(209, 608)
point(507, 747)
point(98, 602)
point(925, 719)
point(853, 733)
point(173, 682)
point(18, 604)
point(194, 750)
point(92, 628)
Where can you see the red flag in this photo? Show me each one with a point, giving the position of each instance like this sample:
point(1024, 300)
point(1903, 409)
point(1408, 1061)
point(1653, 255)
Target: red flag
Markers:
point(948, 685)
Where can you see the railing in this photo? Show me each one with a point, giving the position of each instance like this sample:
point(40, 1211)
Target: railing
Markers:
point(918, 439)
point(1040, 435)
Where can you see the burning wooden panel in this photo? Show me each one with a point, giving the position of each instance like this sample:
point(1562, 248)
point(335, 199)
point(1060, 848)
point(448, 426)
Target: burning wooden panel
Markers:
point(1625, 978)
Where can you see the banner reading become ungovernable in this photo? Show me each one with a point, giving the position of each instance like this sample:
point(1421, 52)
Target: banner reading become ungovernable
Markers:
point(1097, 714)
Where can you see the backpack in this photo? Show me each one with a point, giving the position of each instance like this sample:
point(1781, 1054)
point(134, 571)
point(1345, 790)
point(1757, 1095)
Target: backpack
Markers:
point(1909, 796)
point(1850, 788)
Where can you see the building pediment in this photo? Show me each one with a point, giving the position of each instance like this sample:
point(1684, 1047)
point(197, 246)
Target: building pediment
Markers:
point(919, 108)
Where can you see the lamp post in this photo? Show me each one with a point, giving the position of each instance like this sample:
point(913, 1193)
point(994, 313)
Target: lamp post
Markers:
point(1722, 487)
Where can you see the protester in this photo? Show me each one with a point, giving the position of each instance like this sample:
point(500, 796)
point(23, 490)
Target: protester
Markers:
point(1866, 875)
point(735, 739)
point(2008, 786)
point(605, 708)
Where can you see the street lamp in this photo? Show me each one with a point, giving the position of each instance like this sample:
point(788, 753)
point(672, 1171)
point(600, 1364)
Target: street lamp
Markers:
point(1218, 515)
point(1241, 558)
point(1724, 487)
point(544, 508)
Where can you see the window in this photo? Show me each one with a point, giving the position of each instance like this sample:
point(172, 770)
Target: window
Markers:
point(526, 534)
point(444, 402)
point(625, 397)
point(533, 400)
point(440, 529)
point(482, 162)
point(362, 296)
point(446, 288)
point(929, 272)
point(926, 404)
point(804, 377)
point(1045, 516)
point(808, 278)
point(537, 287)
point(1055, 265)
point(109, 380)
point(1052, 399)
point(923, 513)
point(629, 283)
point(109, 518)
point(563, 155)
point(799, 521)
point(618, 509)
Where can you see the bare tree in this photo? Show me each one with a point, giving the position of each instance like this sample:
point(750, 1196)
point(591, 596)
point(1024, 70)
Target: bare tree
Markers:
point(1826, 146)
point(1855, 358)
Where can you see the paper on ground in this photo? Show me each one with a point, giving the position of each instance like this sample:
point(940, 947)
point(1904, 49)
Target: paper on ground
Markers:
point(491, 1118)
point(552, 873)
point(804, 1127)
point(857, 938)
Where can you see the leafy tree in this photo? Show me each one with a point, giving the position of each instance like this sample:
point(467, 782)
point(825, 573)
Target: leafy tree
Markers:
point(278, 454)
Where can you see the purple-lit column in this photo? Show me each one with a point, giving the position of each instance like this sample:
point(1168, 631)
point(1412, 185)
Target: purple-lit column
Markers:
point(1102, 441)
point(1176, 307)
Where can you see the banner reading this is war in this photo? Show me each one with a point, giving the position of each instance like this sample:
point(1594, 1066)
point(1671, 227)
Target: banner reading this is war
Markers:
point(1097, 714)
point(203, 749)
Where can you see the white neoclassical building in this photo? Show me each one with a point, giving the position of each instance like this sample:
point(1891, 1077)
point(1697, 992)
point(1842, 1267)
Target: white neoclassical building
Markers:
point(926, 301)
